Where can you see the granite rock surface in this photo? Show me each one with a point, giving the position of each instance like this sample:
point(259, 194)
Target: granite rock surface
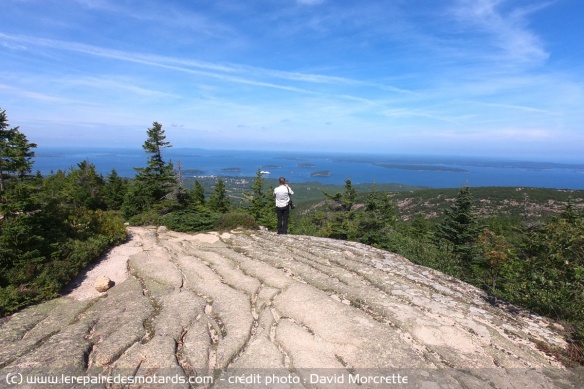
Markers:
point(256, 309)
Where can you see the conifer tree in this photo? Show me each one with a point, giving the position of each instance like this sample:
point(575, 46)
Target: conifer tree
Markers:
point(15, 152)
point(115, 190)
point(219, 201)
point(86, 188)
point(460, 228)
point(379, 218)
point(155, 181)
point(260, 201)
point(256, 198)
point(198, 194)
point(344, 201)
point(341, 224)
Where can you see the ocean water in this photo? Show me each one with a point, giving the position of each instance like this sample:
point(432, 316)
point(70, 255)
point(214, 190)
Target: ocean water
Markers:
point(329, 168)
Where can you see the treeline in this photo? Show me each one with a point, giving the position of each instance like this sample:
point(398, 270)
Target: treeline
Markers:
point(533, 262)
point(50, 228)
point(53, 227)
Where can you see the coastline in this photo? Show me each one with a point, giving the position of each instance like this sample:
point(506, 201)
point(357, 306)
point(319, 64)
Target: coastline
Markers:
point(334, 169)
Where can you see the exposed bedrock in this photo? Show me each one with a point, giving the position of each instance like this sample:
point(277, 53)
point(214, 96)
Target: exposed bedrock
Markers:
point(252, 302)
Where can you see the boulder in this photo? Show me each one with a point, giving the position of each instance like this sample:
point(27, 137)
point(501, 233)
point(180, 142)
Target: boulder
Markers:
point(102, 284)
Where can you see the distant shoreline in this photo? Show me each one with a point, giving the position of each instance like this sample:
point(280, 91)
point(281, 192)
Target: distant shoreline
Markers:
point(326, 168)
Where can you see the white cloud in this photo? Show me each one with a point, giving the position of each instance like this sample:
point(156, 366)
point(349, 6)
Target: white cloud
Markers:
point(507, 27)
point(32, 95)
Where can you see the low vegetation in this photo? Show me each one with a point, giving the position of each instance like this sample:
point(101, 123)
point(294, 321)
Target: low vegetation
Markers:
point(521, 245)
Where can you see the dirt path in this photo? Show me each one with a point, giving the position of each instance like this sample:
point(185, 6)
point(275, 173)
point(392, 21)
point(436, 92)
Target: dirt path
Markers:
point(113, 265)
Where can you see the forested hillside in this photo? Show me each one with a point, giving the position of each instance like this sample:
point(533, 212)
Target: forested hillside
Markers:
point(521, 245)
point(50, 227)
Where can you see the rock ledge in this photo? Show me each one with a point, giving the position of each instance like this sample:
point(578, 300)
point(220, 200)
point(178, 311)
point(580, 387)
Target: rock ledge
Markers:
point(307, 311)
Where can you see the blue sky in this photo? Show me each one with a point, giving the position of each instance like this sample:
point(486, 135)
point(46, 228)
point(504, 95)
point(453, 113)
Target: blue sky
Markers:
point(465, 77)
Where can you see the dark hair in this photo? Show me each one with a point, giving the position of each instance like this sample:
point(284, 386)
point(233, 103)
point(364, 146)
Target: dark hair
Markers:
point(282, 180)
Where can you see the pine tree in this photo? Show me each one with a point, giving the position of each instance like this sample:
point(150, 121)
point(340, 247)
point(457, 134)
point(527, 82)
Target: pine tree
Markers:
point(344, 201)
point(16, 156)
point(460, 228)
point(115, 190)
point(379, 218)
point(261, 202)
point(219, 201)
point(154, 182)
point(341, 224)
point(198, 194)
point(153, 146)
point(86, 188)
point(569, 213)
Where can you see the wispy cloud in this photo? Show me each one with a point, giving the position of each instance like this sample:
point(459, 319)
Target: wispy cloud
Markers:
point(371, 70)
point(226, 72)
point(506, 25)
point(33, 95)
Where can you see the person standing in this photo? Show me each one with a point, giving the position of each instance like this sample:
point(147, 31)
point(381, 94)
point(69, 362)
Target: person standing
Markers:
point(282, 195)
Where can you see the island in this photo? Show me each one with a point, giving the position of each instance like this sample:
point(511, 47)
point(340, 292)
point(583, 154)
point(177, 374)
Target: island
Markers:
point(430, 168)
point(196, 172)
point(231, 169)
point(321, 173)
point(306, 165)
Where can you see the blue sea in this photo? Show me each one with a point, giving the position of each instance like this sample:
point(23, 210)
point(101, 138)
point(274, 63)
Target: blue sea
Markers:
point(328, 168)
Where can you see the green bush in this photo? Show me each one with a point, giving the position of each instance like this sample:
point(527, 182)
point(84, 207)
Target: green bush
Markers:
point(13, 298)
point(30, 277)
point(146, 218)
point(190, 221)
point(232, 220)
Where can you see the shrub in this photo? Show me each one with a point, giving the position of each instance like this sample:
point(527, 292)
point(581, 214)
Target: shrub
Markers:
point(146, 218)
point(185, 221)
point(33, 276)
point(234, 220)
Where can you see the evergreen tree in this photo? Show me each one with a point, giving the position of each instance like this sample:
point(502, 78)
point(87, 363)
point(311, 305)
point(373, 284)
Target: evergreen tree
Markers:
point(156, 181)
point(460, 228)
point(115, 190)
point(569, 213)
point(344, 201)
point(260, 202)
point(86, 188)
point(378, 219)
point(15, 163)
point(219, 201)
point(268, 217)
point(256, 198)
point(341, 223)
point(15, 152)
point(153, 146)
point(198, 195)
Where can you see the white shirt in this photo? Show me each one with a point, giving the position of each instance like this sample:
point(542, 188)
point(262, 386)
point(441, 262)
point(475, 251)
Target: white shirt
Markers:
point(281, 195)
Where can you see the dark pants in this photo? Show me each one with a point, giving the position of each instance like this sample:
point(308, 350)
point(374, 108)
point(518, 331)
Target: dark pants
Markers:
point(283, 214)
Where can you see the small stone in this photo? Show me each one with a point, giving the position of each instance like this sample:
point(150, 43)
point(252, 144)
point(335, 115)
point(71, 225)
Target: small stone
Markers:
point(102, 283)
